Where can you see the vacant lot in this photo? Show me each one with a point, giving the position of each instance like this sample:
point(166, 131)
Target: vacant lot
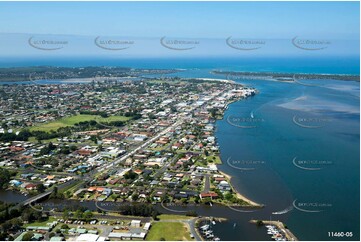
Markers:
point(169, 231)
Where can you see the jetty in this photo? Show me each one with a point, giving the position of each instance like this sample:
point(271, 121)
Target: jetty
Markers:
point(289, 235)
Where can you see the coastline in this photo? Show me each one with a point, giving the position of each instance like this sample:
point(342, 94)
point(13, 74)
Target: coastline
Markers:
point(238, 194)
point(229, 177)
point(282, 76)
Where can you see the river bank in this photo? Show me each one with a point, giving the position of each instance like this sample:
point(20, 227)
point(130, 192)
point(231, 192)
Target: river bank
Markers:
point(229, 177)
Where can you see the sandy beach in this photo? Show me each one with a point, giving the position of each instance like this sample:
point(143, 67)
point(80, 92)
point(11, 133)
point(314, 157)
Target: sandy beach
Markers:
point(239, 195)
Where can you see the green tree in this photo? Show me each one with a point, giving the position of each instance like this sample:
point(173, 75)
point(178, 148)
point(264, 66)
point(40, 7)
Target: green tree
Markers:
point(78, 214)
point(27, 236)
point(114, 197)
point(66, 215)
point(135, 197)
point(64, 226)
point(228, 196)
point(6, 226)
point(16, 222)
point(40, 187)
point(4, 177)
point(155, 215)
point(87, 215)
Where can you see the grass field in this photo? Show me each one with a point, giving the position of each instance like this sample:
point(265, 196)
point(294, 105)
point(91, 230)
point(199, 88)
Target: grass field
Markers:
point(70, 121)
point(169, 231)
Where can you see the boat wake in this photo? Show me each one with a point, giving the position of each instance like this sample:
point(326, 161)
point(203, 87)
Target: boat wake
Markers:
point(284, 211)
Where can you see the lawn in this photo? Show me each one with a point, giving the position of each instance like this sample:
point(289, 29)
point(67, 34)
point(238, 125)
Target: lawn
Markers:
point(50, 219)
point(214, 159)
point(70, 121)
point(169, 231)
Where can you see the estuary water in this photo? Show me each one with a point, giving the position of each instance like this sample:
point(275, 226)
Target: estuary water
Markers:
point(302, 146)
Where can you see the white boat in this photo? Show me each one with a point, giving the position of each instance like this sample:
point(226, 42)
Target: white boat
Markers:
point(205, 227)
point(213, 222)
point(270, 227)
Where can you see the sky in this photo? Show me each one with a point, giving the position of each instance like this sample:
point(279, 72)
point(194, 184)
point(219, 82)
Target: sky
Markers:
point(336, 21)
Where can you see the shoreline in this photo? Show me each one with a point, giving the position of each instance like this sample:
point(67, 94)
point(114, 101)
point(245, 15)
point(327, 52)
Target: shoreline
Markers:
point(229, 177)
point(238, 194)
point(285, 76)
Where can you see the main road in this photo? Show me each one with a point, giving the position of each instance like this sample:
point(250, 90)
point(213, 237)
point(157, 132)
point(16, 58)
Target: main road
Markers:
point(163, 132)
